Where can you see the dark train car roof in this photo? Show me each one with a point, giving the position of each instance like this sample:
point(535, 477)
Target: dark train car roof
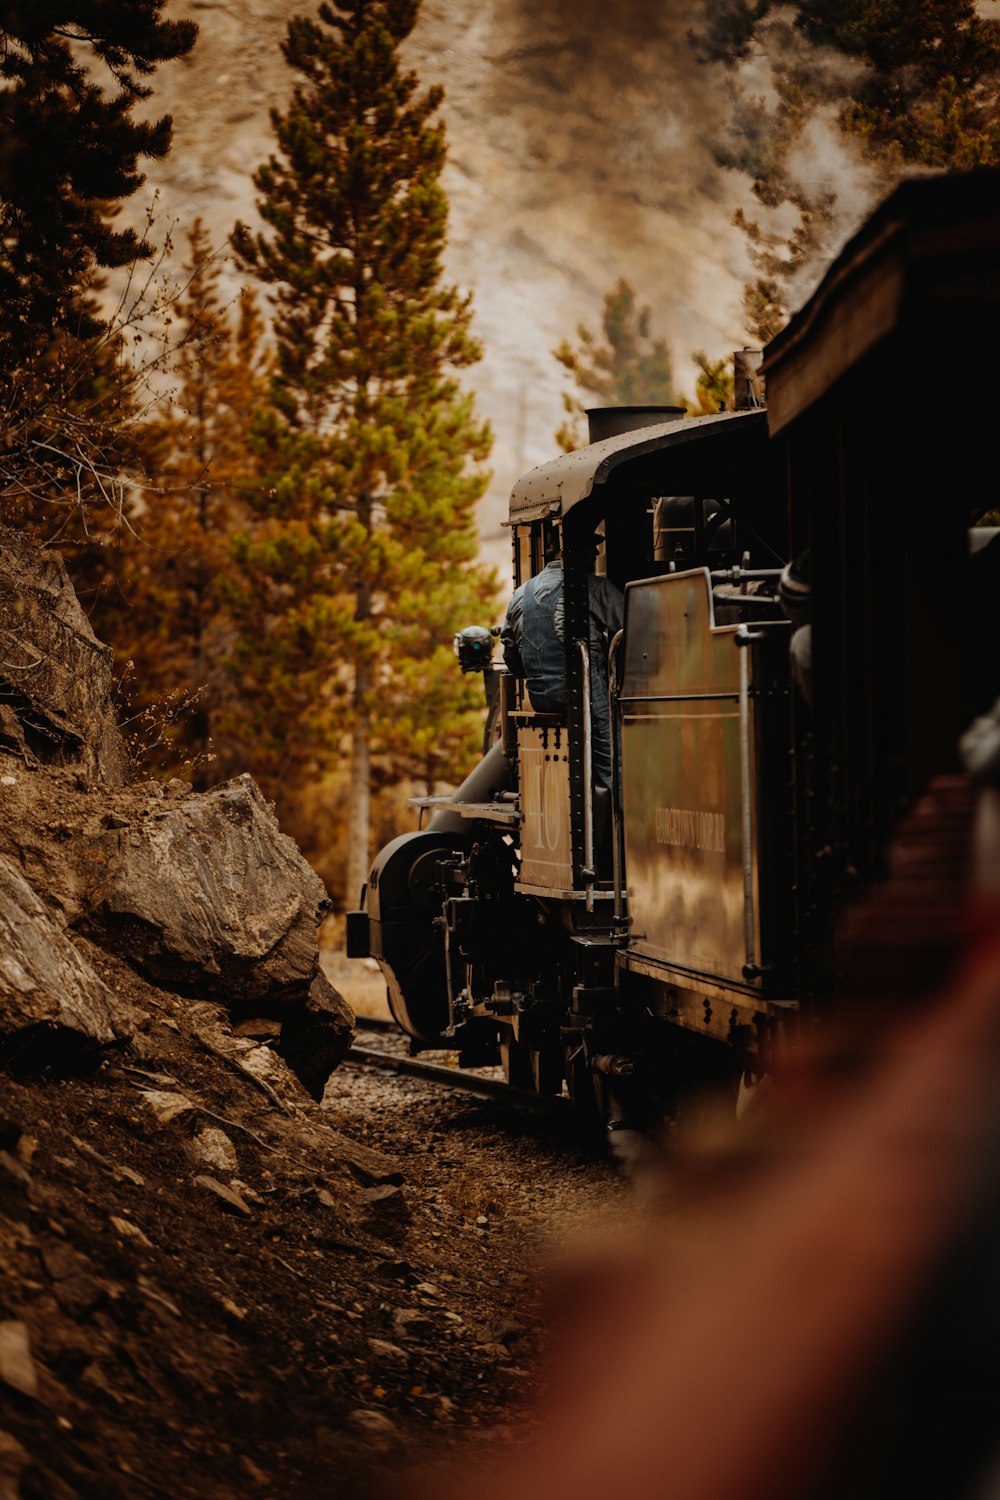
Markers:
point(933, 239)
point(556, 487)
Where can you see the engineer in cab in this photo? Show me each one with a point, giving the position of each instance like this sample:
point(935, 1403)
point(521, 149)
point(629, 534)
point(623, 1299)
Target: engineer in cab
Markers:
point(534, 645)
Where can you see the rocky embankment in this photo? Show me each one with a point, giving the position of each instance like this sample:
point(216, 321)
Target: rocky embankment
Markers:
point(213, 1280)
point(201, 893)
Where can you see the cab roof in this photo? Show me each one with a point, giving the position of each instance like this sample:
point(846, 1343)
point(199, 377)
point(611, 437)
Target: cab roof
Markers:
point(554, 488)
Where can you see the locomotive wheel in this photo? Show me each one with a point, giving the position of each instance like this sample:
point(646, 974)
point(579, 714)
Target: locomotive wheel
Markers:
point(515, 1057)
point(587, 1093)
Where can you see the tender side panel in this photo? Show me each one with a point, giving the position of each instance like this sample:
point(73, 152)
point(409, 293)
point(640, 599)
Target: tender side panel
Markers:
point(682, 777)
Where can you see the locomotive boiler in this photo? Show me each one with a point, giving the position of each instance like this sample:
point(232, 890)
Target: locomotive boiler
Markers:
point(767, 735)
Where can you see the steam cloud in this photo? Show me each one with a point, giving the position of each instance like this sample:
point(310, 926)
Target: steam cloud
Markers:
point(580, 151)
point(612, 117)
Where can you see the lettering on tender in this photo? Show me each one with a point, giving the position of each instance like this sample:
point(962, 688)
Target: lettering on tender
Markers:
point(691, 828)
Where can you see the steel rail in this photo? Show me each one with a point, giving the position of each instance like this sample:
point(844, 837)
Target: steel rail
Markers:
point(376, 1023)
point(456, 1078)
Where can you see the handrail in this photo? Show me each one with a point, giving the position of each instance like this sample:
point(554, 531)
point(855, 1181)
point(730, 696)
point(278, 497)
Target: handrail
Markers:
point(589, 873)
point(616, 777)
point(745, 639)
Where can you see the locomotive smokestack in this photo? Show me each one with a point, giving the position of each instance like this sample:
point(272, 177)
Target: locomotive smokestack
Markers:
point(612, 421)
point(747, 390)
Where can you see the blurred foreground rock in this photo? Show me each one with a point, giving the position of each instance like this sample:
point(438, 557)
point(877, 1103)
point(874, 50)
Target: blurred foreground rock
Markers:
point(200, 892)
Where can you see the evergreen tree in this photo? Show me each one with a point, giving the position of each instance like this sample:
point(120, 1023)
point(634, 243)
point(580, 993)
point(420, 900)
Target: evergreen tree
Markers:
point(71, 75)
point(70, 151)
point(928, 91)
point(364, 557)
point(713, 386)
point(174, 558)
point(629, 367)
point(924, 89)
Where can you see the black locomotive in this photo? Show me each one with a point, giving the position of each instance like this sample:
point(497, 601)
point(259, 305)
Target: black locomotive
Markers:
point(767, 739)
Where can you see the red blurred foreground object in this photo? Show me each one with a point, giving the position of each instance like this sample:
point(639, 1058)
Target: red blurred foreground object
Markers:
point(762, 1346)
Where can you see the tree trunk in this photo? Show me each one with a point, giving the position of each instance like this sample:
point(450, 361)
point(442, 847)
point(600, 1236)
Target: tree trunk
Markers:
point(360, 790)
point(358, 813)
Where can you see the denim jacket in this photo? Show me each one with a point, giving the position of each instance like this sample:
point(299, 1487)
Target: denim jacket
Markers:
point(534, 646)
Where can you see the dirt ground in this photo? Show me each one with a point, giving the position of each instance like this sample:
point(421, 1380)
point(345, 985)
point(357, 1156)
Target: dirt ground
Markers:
point(214, 1287)
point(359, 980)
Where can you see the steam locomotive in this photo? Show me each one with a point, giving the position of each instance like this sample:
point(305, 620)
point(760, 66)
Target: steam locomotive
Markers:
point(766, 740)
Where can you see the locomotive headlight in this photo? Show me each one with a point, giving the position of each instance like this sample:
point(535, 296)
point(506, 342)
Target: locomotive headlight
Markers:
point(474, 648)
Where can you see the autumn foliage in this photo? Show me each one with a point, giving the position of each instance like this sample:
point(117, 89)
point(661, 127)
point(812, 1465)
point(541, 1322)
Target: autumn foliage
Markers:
point(274, 518)
point(625, 364)
point(363, 564)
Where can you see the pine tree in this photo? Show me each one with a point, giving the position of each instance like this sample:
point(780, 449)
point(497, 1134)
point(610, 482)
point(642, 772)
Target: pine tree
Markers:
point(175, 556)
point(72, 73)
point(713, 386)
point(628, 368)
point(929, 91)
point(71, 147)
point(365, 554)
point(925, 89)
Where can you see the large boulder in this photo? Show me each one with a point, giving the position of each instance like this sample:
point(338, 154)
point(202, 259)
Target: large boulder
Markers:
point(55, 676)
point(47, 989)
point(316, 1034)
point(207, 896)
point(202, 893)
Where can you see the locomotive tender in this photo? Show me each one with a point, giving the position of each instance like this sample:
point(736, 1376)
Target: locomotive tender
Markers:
point(635, 940)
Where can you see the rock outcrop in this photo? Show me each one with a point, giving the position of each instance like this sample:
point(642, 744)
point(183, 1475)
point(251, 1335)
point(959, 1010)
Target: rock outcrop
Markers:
point(55, 675)
point(200, 892)
point(207, 896)
point(47, 988)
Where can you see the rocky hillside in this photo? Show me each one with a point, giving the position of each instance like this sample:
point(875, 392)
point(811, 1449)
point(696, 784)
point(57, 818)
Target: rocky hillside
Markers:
point(213, 1282)
point(128, 1128)
point(201, 892)
point(578, 154)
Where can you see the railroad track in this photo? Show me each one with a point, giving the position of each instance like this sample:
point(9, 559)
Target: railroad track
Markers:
point(453, 1078)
